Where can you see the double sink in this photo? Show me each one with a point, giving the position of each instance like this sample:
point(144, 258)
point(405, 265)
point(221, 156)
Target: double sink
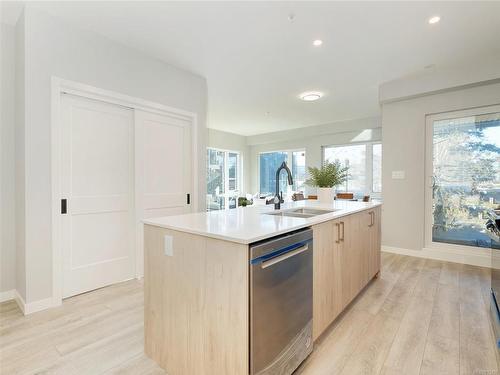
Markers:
point(303, 212)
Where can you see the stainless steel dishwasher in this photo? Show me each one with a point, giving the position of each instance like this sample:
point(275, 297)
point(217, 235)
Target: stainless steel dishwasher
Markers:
point(281, 303)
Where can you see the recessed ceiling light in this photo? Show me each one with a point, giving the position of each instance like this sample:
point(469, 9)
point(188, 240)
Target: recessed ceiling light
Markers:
point(434, 19)
point(311, 96)
point(317, 42)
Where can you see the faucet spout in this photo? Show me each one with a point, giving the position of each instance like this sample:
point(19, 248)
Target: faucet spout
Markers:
point(277, 198)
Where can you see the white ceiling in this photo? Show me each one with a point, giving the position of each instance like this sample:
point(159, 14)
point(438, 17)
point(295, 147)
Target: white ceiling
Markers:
point(257, 62)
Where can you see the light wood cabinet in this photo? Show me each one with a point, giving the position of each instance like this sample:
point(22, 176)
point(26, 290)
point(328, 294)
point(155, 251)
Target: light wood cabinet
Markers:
point(327, 283)
point(197, 300)
point(364, 232)
point(375, 243)
point(346, 258)
point(196, 317)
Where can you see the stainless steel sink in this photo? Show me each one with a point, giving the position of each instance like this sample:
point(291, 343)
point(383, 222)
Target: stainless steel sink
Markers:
point(311, 211)
point(300, 212)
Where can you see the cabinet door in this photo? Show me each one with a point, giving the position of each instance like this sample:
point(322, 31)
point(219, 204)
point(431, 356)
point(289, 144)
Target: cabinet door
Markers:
point(351, 260)
point(370, 237)
point(356, 257)
point(327, 301)
point(375, 243)
point(365, 234)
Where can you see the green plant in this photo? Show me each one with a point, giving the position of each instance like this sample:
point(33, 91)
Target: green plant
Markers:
point(242, 201)
point(329, 175)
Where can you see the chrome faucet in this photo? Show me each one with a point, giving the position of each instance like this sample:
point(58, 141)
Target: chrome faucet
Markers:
point(278, 198)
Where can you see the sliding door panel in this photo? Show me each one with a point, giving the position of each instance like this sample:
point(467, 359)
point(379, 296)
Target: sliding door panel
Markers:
point(463, 171)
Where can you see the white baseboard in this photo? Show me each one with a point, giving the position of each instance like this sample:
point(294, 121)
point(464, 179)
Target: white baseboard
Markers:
point(39, 305)
point(481, 259)
point(20, 301)
point(33, 307)
point(7, 295)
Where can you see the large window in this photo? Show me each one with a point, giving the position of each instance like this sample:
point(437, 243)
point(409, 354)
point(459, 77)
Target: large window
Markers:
point(269, 162)
point(223, 179)
point(464, 175)
point(365, 166)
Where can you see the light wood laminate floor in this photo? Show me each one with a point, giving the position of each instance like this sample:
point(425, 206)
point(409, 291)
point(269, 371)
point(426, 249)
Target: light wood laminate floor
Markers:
point(420, 317)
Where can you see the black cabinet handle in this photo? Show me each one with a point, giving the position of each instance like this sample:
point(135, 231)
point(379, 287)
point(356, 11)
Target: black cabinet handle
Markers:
point(64, 206)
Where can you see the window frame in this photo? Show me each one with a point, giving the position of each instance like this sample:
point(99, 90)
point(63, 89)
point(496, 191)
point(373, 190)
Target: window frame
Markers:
point(239, 174)
point(289, 157)
point(368, 162)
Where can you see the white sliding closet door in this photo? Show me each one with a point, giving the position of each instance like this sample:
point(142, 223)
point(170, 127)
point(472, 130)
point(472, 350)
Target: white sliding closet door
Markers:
point(97, 167)
point(163, 147)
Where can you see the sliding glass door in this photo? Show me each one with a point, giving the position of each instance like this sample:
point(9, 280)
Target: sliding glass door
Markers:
point(216, 177)
point(223, 179)
point(463, 172)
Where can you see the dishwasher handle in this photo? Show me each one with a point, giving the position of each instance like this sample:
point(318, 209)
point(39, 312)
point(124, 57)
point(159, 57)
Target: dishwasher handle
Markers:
point(280, 254)
point(284, 256)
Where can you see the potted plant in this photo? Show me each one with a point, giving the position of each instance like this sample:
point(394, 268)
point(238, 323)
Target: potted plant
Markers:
point(326, 179)
point(243, 202)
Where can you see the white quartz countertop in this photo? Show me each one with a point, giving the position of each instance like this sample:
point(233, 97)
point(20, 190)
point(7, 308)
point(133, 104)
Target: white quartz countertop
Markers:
point(250, 224)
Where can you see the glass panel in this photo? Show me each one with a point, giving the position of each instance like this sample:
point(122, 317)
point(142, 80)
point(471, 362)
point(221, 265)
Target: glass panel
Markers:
point(215, 180)
point(299, 170)
point(466, 177)
point(232, 201)
point(269, 163)
point(377, 168)
point(355, 158)
point(232, 161)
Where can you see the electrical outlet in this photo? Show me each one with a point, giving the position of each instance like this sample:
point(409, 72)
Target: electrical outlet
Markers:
point(168, 243)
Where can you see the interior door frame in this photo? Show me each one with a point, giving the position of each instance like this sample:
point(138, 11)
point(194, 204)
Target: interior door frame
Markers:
point(60, 86)
point(429, 168)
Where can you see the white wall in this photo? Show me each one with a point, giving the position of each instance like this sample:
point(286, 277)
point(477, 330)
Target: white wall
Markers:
point(7, 157)
point(54, 48)
point(438, 79)
point(20, 152)
point(233, 142)
point(311, 139)
point(403, 124)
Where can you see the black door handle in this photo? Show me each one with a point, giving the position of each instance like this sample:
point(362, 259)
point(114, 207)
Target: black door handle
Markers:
point(64, 206)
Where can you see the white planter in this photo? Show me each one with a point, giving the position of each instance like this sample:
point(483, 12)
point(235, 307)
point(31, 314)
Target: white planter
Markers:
point(325, 195)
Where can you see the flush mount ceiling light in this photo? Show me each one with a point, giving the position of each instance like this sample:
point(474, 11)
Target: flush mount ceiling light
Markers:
point(317, 42)
point(311, 96)
point(434, 19)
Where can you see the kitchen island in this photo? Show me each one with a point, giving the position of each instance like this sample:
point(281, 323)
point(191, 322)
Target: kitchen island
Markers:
point(197, 277)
